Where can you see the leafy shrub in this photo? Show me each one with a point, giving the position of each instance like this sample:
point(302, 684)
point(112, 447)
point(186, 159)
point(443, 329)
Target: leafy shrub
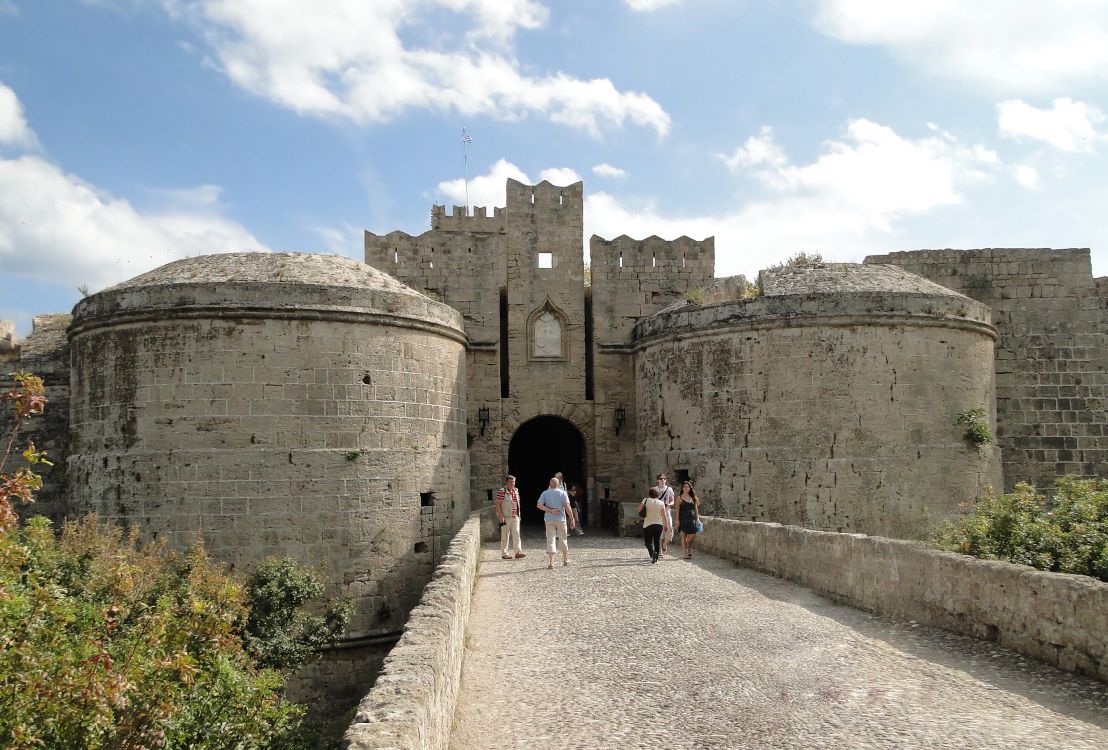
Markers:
point(1067, 534)
point(798, 259)
point(280, 633)
point(26, 399)
point(109, 643)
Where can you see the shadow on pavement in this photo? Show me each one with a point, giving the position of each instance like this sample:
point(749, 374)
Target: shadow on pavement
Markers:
point(988, 662)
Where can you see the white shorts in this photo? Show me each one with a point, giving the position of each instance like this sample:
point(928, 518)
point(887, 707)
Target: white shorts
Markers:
point(557, 530)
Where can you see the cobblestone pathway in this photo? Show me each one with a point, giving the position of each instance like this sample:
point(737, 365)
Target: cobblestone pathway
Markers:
point(613, 652)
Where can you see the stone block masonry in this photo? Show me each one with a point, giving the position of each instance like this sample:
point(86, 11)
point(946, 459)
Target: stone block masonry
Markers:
point(827, 409)
point(411, 706)
point(1059, 618)
point(1051, 355)
point(279, 404)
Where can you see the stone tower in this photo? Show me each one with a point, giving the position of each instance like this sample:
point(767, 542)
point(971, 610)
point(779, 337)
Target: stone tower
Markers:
point(549, 358)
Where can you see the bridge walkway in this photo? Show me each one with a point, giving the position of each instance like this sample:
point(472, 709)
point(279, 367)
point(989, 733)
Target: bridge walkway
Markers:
point(614, 652)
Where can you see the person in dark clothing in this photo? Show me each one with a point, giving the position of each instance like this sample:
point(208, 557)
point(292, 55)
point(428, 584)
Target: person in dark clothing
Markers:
point(688, 516)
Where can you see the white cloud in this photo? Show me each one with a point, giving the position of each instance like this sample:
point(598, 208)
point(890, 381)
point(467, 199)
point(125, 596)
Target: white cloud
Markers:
point(1026, 175)
point(57, 227)
point(649, 5)
point(757, 151)
point(356, 59)
point(1067, 125)
point(874, 173)
point(851, 200)
point(486, 190)
point(347, 240)
point(607, 170)
point(14, 130)
point(1021, 45)
point(559, 176)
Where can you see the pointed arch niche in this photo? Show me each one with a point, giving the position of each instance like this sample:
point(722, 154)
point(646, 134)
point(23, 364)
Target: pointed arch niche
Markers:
point(546, 333)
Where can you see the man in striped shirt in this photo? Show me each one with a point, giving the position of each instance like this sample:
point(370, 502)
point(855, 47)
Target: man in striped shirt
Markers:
point(507, 511)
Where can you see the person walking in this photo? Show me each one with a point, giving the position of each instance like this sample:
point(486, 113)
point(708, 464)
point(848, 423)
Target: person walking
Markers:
point(654, 523)
point(507, 511)
point(554, 503)
point(665, 494)
point(575, 498)
point(688, 516)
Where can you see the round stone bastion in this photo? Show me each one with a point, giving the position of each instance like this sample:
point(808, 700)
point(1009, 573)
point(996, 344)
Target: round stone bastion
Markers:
point(829, 400)
point(285, 404)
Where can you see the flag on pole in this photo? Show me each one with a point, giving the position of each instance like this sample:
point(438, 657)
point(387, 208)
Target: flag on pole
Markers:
point(465, 137)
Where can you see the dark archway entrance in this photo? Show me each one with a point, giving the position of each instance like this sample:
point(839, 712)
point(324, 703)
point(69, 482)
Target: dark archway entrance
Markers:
point(540, 448)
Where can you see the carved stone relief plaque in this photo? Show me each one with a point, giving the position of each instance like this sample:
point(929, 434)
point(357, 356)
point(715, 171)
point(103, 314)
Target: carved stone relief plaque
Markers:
point(547, 336)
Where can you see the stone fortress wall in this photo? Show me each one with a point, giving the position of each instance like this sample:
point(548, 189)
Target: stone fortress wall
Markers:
point(461, 260)
point(279, 404)
point(1051, 355)
point(828, 401)
point(317, 407)
point(631, 280)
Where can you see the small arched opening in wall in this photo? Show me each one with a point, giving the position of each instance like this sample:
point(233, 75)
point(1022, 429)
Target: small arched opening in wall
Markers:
point(539, 449)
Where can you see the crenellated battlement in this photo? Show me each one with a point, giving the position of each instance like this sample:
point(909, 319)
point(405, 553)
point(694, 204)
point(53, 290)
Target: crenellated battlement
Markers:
point(653, 252)
point(545, 196)
point(463, 220)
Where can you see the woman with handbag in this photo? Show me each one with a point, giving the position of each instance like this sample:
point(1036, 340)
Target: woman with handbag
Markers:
point(688, 514)
point(654, 522)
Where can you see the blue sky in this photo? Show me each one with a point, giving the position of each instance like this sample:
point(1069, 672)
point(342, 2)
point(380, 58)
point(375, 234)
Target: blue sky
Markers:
point(135, 132)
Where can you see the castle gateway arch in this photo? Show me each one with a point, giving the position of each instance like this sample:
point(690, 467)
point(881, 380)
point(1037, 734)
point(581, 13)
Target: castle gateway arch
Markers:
point(539, 448)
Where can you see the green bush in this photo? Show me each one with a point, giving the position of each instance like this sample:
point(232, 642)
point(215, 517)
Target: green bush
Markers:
point(1066, 534)
point(109, 643)
point(280, 633)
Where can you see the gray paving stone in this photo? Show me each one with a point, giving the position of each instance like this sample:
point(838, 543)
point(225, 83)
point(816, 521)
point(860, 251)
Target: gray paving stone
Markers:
point(614, 652)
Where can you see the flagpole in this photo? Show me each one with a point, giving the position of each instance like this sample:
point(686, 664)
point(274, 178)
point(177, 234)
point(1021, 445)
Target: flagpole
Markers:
point(465, 165)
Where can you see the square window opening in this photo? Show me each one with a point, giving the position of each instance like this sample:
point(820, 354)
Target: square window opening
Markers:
point(546, 260)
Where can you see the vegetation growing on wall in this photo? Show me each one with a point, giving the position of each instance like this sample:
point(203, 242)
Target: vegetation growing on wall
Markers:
point(798, 259)
point(25, 400)
point(977, 427)
point(109, 643)
point(1067, 533)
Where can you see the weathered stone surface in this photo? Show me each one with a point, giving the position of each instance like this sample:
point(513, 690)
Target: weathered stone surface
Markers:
point(411, 706)
point(309, 407)
point(1051, 357)
point(1057, 618)
point(832, 410)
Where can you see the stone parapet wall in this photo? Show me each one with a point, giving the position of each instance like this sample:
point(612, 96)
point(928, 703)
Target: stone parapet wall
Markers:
point(411, 706)
point(1051, 354)
point(1059, 618)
